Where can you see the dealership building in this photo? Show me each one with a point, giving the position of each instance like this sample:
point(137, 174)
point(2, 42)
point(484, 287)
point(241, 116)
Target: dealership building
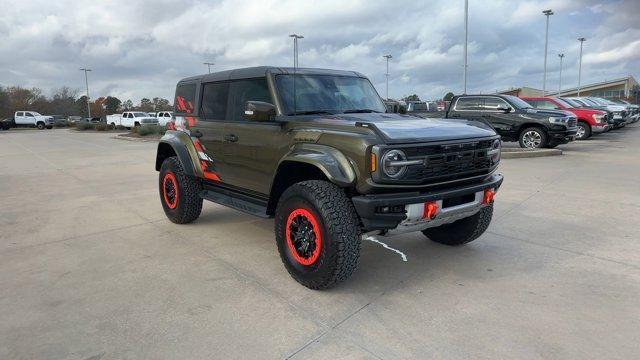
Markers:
point(626, 87)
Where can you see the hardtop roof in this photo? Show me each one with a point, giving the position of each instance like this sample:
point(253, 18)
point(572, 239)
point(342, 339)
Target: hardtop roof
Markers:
point(261, 71)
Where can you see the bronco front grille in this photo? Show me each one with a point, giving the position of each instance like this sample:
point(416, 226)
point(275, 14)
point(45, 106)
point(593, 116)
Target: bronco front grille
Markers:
point(448, 162)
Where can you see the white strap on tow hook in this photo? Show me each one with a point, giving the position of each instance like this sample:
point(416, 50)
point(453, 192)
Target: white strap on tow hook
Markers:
point(375, 240)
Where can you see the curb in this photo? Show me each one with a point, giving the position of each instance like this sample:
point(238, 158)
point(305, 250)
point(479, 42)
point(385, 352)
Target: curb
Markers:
point(134, 139)
point(528, 153)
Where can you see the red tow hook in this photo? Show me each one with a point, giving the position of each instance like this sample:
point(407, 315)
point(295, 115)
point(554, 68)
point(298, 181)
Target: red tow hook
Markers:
point(489, 194)
point(430, 210)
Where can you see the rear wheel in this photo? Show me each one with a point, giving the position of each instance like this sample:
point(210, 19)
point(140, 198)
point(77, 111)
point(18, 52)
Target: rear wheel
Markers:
point(584, 131)
point(317, 234)
point(179, 193)
point(533, 138)
point(462, 231)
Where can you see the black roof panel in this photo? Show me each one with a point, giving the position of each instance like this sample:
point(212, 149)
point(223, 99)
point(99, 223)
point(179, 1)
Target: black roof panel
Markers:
point(260, 71)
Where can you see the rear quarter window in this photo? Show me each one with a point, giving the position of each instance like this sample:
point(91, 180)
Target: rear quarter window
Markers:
point(185, 98)
point(468, 103)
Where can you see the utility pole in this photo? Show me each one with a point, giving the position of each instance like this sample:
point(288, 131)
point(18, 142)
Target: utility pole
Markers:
point(295, 69)
point(466, 41)
point(388, 56)
point(546, 13)
point(295, 48)
point(582, 40)
point(86, 81)
point(560, 78)
point(209, 65)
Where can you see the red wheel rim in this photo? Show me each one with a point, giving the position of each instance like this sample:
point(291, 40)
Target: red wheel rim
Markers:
point(304, 238)
point(170, 190)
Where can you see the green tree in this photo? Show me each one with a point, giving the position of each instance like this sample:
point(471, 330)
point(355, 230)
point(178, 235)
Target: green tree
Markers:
point(413, 97)
point(128, 104)
point(111, 104)
point(81, 106)
point(448, 96)
point(146, 105)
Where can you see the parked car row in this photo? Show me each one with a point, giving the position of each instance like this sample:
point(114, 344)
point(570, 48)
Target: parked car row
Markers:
point(538, 122)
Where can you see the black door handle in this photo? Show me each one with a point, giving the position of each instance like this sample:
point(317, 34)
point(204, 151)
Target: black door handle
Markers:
point(197, 133)
point(230, 138)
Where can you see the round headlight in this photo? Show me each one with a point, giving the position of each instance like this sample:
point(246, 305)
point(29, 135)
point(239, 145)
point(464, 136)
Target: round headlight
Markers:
point(389, 166)
point(494, 152)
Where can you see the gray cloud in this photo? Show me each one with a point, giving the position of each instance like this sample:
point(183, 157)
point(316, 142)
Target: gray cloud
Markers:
point(140, 49)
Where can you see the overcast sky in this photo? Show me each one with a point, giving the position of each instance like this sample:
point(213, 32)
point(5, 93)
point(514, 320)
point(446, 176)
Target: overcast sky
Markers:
point(142, 48)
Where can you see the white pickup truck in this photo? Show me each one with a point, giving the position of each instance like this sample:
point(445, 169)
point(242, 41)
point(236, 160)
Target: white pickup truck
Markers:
point(33, 119)
point(131, 119)
point(164, 117)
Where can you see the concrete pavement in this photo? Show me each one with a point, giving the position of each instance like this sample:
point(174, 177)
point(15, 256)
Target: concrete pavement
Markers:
point(91, 269)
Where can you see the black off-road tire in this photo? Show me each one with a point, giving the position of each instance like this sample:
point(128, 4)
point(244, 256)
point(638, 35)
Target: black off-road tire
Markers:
point(462, 231)
point(188, 203)
point(544, 139)
point(339, 228)
point(40, 126)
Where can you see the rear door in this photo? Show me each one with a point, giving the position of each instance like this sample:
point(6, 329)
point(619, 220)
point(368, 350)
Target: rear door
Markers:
point(252, 149)
point(467, 107)
point(209, 128)
point(19, 118)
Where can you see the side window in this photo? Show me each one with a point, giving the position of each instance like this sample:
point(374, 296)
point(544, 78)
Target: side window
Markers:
point(533, 103)
point(544, 104)
point(468, 104)
point(185, 97)
point(247, 90)
point(130, 116)
point(493, 103)
point(214, 101)
point(20, 113)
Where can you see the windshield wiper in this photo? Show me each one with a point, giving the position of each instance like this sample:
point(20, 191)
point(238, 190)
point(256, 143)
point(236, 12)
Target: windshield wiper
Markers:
point(310, 112)
point(353, 111)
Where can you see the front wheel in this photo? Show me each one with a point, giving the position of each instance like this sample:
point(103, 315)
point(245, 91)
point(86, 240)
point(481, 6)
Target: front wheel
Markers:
point(317, 234)
point(462, 231)
point(40, 126)
point(533, 138)
point(584, 131)
point(179, 193)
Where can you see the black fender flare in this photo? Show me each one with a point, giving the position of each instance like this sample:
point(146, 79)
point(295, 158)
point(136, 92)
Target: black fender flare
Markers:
point(183, 147)
point(332, 162)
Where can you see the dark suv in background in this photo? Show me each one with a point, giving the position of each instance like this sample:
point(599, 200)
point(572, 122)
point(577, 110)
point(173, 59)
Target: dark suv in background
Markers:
point(515, 120)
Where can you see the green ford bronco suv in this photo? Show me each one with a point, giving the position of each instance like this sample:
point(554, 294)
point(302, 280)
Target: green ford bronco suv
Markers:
point(317, 150)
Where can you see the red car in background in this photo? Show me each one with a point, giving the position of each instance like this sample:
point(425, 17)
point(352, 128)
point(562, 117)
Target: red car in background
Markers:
point(590, 121)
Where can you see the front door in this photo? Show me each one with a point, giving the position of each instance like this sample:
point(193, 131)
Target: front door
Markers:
point(503, 122)
point(252, 149)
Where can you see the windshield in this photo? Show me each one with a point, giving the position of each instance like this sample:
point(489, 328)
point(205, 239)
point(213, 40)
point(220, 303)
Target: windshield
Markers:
point(564, 103)
point(140, 114)
point(518, 103)
point(572, 102)
point(35, 113)
point(328, 93)
point(590, 102)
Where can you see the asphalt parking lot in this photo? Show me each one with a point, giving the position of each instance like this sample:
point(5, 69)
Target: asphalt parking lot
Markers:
point(91, 269)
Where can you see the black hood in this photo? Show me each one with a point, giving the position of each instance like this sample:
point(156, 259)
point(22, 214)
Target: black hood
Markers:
point(547, 113)
point(396, 128)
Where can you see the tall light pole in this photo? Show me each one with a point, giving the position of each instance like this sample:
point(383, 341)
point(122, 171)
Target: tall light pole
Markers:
point(582, 40)
point(295, 48)
point(546, 13)
point(560, 78)
point(86, 81)
point(388, 56)
point(209, 65)
point(466, 41)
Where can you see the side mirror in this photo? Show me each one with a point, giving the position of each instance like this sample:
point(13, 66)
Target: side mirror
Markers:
point(259, 111)
point(504, 109)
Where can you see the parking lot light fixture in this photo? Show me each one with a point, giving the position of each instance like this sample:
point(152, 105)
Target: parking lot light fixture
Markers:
point(388, 56)
point(546, 13)
point(582, 40)
point(86, 81)
point(209, 65)
point(295, 48)
point(560, 77)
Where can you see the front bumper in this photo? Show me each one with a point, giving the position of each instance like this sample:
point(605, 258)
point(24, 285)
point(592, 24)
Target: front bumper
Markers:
point(563, 136)
point(367, 206)
point(596, 129)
